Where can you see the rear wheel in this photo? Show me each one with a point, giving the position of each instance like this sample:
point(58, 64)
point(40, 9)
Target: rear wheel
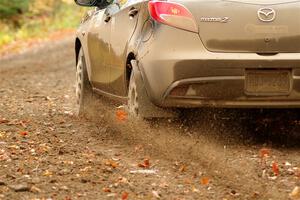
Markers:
point(84, 93)
point(133, 98)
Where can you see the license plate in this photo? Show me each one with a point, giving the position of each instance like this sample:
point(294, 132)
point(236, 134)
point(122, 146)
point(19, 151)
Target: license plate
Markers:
point(267, 82)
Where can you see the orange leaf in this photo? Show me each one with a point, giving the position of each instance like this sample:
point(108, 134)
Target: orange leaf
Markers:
point(121, 115)
point(264, 152)
point(23, 133)
point(183, 168)
point(145, 164)
point(3, 121)
point(111, 163)
point(106, 189)
point(204, 181)
point(188, 181)
point(275, 168)
point(125, 196)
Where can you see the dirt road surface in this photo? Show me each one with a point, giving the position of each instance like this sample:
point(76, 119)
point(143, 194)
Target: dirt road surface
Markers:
point(46, 152)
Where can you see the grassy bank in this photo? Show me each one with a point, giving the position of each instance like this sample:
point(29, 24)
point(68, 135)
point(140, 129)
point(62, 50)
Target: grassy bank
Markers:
point(40, 21)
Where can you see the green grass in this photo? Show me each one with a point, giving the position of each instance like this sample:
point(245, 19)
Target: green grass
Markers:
point(67, 16)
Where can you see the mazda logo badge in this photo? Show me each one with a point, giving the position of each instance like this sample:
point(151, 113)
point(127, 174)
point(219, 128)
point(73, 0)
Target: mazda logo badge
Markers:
point(266, 14)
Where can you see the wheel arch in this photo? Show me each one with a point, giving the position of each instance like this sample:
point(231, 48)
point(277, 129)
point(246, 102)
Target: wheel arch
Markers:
point(128, 70)
point(78, 46)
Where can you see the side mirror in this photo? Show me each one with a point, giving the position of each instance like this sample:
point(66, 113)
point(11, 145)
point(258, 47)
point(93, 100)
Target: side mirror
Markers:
point(89, 3)
point(86, 2)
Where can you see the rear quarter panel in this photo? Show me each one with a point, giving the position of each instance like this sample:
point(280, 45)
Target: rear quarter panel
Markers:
point(81, 34)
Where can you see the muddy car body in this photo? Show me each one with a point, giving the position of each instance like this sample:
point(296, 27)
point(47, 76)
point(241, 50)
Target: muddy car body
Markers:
point(194, 53)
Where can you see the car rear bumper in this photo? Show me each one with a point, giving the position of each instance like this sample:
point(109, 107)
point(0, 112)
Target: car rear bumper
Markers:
point(190, 103)
point(227, 91)
point(173, 58)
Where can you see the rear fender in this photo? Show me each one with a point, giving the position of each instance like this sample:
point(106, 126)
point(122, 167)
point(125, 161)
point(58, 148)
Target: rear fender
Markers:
point(80, 44)
point(147, 108)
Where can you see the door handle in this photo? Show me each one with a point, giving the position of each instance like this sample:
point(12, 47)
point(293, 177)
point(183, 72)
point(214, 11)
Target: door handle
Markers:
point(107, 18)
point(133, 12)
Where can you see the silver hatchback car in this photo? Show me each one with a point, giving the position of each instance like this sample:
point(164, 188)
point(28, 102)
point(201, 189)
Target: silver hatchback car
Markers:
point(155, 54)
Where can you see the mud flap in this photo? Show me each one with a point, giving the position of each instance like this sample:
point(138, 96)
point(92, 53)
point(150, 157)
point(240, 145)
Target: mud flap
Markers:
point(146, 107)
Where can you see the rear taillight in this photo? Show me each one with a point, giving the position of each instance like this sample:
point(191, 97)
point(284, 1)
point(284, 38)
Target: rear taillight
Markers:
point(172, 14)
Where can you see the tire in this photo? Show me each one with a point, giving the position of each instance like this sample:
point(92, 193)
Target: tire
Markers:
point(133, 97)
point(85, 99)
point(139, 105)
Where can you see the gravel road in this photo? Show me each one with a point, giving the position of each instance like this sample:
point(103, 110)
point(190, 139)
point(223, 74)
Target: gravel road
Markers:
point(46, 152)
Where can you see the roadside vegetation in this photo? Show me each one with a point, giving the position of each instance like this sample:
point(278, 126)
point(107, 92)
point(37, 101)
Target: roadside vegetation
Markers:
point(26, 19)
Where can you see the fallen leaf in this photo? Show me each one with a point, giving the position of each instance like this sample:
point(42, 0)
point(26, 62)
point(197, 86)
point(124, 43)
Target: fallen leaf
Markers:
point(145, 164)
point(111, 163)
point(125, 196)
point(23, 123)
point(68, 198)
point(122, 180)
point(295, 194)
point(275, 168)
point(195, 190)
point(35, 189)
point(106, 189)
point(188, 181)
point(204, 181)
point(256, 195)
point(47, 173)
point(3, 121)
point(156, 194)
point(183, 168)
point(296, 171)
point(264, 152)
point(233, 193)
point(2, 134)
point(121, 115)
point(23, 133)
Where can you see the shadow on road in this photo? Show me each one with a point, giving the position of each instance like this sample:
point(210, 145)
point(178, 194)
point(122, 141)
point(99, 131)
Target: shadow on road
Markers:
point(272, 127)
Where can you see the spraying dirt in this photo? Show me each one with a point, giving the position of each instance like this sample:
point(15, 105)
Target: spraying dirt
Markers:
point(46, 152)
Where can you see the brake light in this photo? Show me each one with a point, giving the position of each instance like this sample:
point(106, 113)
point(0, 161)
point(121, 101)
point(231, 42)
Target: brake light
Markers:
point(172, 14)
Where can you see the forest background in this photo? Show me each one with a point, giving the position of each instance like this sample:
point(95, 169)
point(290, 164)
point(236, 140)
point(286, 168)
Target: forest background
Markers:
point(22, 20)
